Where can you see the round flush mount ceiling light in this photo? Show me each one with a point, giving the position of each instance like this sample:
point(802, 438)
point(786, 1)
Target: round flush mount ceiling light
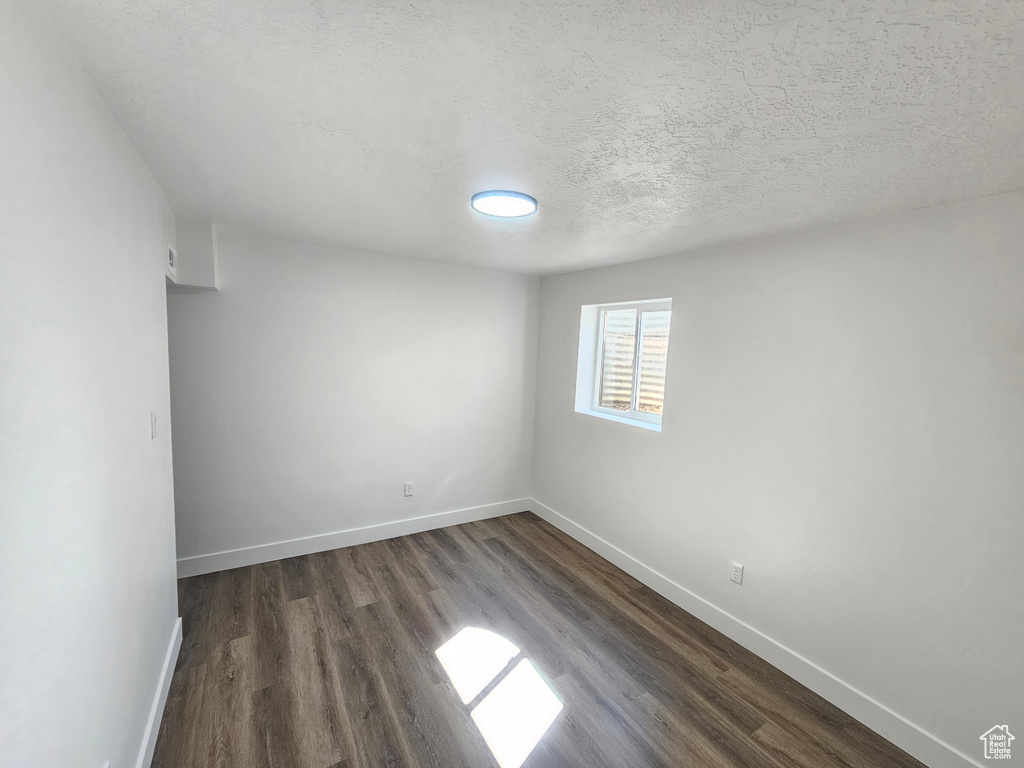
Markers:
point(503, 203)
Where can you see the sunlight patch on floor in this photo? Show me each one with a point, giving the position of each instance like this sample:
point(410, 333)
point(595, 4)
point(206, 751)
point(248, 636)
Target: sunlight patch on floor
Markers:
point(473, 658)
point(514, 716)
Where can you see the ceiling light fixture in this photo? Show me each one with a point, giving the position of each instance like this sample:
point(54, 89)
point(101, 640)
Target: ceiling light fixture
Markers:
point(503, 203)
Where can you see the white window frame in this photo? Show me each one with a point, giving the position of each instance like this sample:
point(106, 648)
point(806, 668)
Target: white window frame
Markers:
point(590, 363)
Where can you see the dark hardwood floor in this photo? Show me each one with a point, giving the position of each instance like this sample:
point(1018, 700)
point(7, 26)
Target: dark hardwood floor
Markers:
point(329, 661)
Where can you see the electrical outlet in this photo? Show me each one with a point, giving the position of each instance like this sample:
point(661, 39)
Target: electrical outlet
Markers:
point(737, 573)
point(408, 489)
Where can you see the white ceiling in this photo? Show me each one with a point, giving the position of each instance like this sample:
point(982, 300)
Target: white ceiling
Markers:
point(644, 128)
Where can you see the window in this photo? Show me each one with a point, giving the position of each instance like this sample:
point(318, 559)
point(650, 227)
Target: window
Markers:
point(623, 356)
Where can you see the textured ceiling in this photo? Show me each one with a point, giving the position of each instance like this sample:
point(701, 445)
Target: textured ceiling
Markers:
point(643, 128)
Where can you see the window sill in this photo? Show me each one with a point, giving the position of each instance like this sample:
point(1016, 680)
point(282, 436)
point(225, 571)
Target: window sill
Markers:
point(648, 425)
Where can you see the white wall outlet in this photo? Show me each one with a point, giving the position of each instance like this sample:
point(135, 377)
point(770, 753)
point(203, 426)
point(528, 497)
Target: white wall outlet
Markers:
point(737, 573)
point(408, 489)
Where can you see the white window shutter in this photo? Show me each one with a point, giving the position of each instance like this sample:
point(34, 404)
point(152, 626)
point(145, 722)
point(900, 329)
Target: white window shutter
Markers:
point(618, 358)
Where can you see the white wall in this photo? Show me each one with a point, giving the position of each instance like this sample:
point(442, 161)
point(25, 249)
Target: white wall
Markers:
point(197, 255)
point(844, 416)
point(87, 589)
point(317, 381)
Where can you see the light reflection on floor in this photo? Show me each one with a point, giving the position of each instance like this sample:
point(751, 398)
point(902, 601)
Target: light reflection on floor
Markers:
point(473, 658)
point(517, 712)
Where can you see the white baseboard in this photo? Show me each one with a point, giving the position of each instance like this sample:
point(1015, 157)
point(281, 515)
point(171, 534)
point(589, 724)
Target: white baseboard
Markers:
point(911, 738)
point(156, 712)
point(278, 550)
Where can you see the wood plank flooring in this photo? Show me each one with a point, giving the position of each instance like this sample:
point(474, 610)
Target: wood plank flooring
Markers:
point(327, 661)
